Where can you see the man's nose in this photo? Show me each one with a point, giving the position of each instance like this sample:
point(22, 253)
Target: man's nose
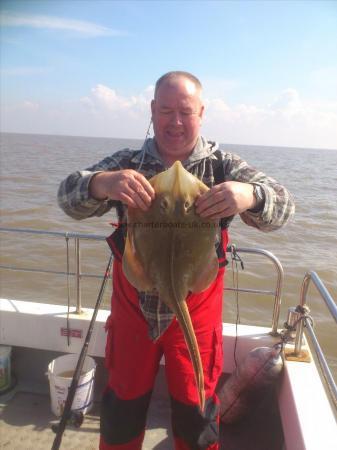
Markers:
point(176, 118)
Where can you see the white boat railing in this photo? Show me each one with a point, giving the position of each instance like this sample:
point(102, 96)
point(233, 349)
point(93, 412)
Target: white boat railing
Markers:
point(78, 237)
point(331, 305)
point(277, 293)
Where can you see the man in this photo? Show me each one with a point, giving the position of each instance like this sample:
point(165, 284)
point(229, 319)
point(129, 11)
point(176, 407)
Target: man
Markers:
point(140, 328)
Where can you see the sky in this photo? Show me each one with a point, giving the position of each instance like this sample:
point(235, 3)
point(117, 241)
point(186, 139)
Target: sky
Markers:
point(88, 68)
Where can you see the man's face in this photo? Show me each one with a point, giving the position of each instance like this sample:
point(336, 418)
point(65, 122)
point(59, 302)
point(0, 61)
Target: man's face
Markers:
point(176, 114)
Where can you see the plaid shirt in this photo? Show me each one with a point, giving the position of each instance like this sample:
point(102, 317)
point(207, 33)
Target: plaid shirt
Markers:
point(75, 200)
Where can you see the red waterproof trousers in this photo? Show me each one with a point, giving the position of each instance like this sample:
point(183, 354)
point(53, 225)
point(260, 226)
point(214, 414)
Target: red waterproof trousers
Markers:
point(132, 359)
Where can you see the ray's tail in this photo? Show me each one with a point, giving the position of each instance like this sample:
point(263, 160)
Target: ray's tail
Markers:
point(184, 319)
point(178, 303)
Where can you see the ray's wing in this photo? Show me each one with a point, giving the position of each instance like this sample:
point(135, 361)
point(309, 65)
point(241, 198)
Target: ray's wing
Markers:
point(132, 266)
point(206, 263)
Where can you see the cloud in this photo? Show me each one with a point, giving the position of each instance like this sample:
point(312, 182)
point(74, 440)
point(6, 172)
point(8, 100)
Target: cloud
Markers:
point(287, 102)
point(84, 28)
point(117, 114)
point(103, 99)
point(287, 120)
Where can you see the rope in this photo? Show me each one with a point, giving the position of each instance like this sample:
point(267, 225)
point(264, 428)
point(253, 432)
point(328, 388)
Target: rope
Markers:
point(235, 259)
point(144, 148)
point(288, 329)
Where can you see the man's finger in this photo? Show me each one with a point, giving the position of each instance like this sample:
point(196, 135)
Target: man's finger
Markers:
point(145, 184)
point(212, 200)
point(134, 201)
point(142, 200)
point(203, 198)
point(217, 212)
point(138, 188)
point(127, 200)
point(216, 192)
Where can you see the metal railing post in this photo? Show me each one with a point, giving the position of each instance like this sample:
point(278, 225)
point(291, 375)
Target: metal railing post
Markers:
point(300, 325)
point(312, 276)
point(78, 276)
point(279, 284)
point(331, 305)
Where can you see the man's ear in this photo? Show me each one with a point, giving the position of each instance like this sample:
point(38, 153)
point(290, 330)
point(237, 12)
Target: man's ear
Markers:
point(153, 103)
point(201, 114)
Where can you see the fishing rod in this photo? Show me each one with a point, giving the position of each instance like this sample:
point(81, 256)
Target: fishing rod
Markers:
point(66, 415)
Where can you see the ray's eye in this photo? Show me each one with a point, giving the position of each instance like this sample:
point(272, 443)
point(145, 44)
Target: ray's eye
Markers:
point(164, 205)
point(187, 206)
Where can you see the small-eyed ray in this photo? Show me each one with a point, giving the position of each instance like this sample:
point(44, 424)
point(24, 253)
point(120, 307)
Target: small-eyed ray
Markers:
point(170, 249)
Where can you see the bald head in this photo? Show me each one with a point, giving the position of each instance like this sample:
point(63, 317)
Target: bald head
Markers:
point(174, 76)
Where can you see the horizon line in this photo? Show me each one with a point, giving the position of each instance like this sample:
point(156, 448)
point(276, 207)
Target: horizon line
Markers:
point(142, 140)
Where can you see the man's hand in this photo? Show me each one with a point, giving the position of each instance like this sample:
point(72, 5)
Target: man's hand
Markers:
point(225, 200)
point(128, 186)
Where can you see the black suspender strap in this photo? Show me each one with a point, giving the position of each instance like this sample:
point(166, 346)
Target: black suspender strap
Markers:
point(218, 171)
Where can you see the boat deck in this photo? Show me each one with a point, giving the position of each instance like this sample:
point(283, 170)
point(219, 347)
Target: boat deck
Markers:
point(26, 420)
point(26, 425)
point(287, 419)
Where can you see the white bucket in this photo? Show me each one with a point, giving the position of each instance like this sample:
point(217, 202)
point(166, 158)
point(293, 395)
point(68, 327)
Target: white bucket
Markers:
point(60, 374)
point(5, 367)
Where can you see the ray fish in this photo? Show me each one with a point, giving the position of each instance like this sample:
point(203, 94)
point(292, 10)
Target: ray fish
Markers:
point(170, 250)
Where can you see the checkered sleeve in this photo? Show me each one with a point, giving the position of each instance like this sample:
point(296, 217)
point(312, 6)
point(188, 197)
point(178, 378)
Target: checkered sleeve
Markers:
point(74, 195)
point(279, 205)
